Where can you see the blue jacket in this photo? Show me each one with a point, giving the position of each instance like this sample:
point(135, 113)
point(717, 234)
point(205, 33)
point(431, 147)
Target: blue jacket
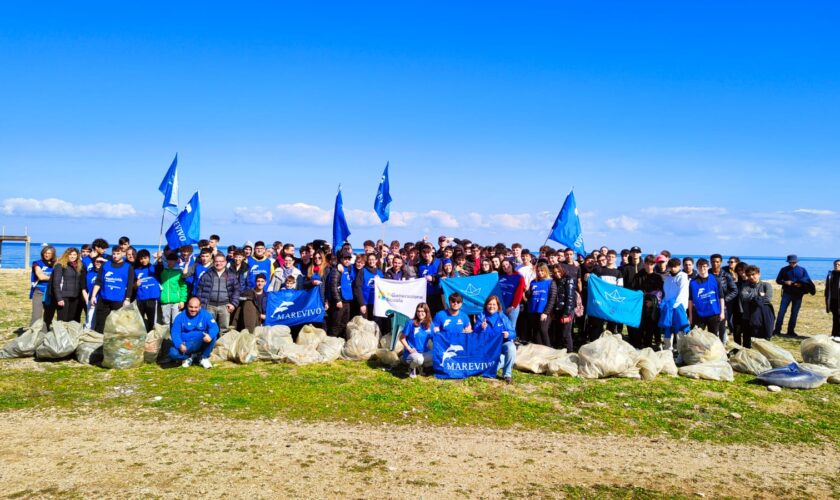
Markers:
point(189, 329)
point(798, 275)
point(205, 286)
point(496, 323)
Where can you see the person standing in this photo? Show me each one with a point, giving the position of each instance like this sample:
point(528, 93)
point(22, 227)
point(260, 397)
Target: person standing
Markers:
point(675, 289)
point(795, 284)
point(39, 292)
point(339, 296)
point(650, 283)
point(68, 281)
point(113, 288)
point(562, 299)
point(539, 320)
point(252, 303)
point(258, 263)
point(218, 292)
point(705, 305)
point(428, 268)
point(363, 286)
point(756, 298)
point(728, 290)
point(173, 294)
point(832, 298)
point(148, 289)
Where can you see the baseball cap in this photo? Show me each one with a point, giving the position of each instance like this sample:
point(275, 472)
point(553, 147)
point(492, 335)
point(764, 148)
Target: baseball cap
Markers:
point(661, 258)
point(635, 249)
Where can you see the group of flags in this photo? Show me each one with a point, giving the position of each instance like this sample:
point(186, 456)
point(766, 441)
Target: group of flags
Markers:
point(186, 229)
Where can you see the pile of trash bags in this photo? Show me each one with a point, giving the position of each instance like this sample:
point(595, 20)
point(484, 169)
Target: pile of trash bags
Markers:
point(275, 343)
point(362, 340)
point(540, 359)
point(704, 356)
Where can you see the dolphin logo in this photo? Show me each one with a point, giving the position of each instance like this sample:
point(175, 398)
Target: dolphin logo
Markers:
point(282, 307)
point(109, 274)
point(451, 352)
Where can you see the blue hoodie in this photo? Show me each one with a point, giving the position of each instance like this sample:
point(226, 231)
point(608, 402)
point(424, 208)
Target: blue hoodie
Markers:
point(496, 323)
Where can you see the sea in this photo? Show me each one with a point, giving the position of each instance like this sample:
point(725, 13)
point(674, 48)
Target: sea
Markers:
point(817, 267)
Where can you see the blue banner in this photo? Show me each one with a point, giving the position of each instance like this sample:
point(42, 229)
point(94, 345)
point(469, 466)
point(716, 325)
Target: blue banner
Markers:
point(461, 355)
point(566, 229)
point(294, 307)
point(169, 187)
point(382, 204)
point(340, 230)
point(474, 289)
point(614, 303)
point(186, 229)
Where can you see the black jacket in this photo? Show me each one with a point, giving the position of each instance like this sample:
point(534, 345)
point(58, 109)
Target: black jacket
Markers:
point(68, 283)
point(562, 297)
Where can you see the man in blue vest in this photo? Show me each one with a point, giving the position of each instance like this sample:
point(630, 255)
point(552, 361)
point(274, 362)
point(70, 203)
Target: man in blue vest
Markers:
point(428, 268)
point(194, 334)
point(259, 263)
point(706, 308)
point(113, 287)
point(795, 284)
point(339, 295)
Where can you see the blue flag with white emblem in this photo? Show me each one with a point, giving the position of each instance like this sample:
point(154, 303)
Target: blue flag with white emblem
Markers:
point(474, 290)
point(566, 229)
point(461, 355)
point(294, 307)
point(186, 229)
point(340, 230)
point(382, 204)
point(169, 187)
point(614, 303)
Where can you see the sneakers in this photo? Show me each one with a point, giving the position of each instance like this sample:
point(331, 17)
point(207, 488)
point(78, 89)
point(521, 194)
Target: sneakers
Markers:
point(508, 380)
point(186, 363)
point(205, 363)
point(412, 373)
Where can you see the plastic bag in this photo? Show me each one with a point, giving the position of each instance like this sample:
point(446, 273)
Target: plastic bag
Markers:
point(243, 349)
point(651, 363)
point(792, 376)
point(777, 356)
point(363, 340)
point(271, 340)
point(300, 354)
point(542, 359)
point(609, 356)
point(309, 335)
point(700, 346)
point(821, 350)
point(24, 346)
point(330, 349)
point(831, 374)
point(749, 361)
point(124, 338)
point(224, 346)
point(154, 340)
point(61, 341)
point(89, 350)
point(710, 370)
point(387, 357)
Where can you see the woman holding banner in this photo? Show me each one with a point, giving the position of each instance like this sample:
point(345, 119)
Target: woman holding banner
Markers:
point(415, 339)
point(493, 320)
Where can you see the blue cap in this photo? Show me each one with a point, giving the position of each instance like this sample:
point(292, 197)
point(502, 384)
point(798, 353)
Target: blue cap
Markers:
point(792, 258)
point(447, 261)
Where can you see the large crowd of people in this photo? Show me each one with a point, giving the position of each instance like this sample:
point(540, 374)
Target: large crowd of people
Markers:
point(543, 294)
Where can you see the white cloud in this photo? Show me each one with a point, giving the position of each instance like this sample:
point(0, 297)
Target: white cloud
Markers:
point(624, 223)
point(305, 215)
point(684, 211)
point(814, 211)
point(54, 207)
point(255, 215)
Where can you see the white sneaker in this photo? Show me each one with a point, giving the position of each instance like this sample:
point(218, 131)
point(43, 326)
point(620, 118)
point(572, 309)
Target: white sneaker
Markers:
point(413, 373)
point(186, 363)
point(205, 363)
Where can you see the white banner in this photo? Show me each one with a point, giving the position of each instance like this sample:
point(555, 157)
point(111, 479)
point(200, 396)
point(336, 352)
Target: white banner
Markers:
point(400, 296)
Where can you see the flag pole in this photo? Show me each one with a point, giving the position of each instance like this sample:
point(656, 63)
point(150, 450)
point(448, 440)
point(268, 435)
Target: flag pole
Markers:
point(160, 240)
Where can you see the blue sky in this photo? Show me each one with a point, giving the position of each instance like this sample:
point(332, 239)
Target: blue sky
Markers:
point(695, 127)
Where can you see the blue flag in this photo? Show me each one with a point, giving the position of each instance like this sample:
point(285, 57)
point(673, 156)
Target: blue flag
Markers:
point(474, 289)
point(294, 307)
point(461, 355)
point(566, 229)
point(169, 187)
point(382, 204)
point(614, 303)
point(340, 230)
point(186, 230)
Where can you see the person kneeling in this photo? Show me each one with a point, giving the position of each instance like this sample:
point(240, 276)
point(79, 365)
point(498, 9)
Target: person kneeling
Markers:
point(194, 334)
point(415, 337)
point(494, 321)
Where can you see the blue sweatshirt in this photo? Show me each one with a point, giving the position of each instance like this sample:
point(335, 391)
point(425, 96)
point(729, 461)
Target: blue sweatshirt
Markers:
point(496, 323)
point(188, 329)
point(417, 337)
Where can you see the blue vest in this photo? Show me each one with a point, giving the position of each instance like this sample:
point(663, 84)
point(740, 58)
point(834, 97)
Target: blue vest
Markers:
point(88, 263)
point(149, 287)
point(256, 267)
point(91, 281)
point(367, 284)
point(432, 269)
point(40, 285)
point(347, 284)
point(704, 296)
point(114, 282)
point(539, 296)
point(417, 337)
point(508, 284)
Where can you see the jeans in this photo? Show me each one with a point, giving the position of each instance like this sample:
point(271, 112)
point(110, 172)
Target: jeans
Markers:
point(508, 358)
point(221, 315)
point(788, 299)
point(513, 316)
point(418, 359)
point(193, 347)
